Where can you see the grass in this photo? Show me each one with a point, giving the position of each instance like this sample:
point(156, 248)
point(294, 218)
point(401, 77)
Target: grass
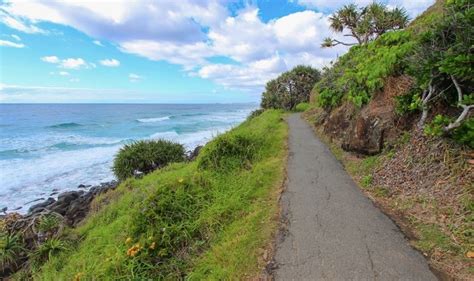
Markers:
point(432, 238)
point(188, 220)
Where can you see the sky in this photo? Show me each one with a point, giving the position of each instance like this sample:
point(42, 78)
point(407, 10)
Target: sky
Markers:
point(160, 51)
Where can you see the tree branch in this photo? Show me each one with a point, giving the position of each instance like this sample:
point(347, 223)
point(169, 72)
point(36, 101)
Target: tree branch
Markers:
point(342, 43)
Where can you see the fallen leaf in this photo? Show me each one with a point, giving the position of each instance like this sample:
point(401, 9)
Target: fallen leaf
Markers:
point(470, 254)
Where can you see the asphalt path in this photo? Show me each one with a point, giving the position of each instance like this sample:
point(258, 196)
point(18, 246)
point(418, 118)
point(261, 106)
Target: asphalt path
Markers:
point(334, 232)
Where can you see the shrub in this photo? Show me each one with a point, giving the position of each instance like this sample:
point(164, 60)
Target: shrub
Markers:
point(11, 247)
point(229, 151)
point(360, 73)
point(146, 156)
point(49, 248)
point(303, 106)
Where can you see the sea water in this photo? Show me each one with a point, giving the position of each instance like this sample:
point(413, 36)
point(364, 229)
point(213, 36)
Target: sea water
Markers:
point(50, 148)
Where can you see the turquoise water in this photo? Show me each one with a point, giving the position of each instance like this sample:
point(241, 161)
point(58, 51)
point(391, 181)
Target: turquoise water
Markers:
point(46, 148)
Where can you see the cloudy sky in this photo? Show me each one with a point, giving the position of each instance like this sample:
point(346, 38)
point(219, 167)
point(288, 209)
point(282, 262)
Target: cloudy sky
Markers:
point(158, 50)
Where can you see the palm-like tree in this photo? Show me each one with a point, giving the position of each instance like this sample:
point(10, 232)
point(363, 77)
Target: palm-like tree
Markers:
point(365, 24)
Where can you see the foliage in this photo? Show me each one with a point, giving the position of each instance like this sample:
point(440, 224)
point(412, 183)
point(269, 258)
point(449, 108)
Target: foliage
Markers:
point(365, 24)
point(48, 249)
point(11, 247)
point(465, 133)
point(361, 72)
point(406, 103)
point(186, 222)
point(48, 223)
point(435, 128)
point(290, 88)
point(303, 106)
point(442, 65)
point(229, 151)
point(145, 156)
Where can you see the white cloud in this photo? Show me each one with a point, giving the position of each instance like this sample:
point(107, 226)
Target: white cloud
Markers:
point(69, 63)
point(63, 73)
point(250, 77)
point(6, 43)
point(132, 77)
point(124, 20)
point(110, 62)
point(50, 59)
point(19, 24)
point(16, 37)
point(74, 80)
point(98, 43)
point(73, 63)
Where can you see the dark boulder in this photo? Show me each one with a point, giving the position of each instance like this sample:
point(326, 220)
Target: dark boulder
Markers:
point(41, 206)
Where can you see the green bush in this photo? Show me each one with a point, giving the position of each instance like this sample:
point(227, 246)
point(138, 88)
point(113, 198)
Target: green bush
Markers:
point(11, 247)
point(465, 133)
point(229, 151)
point(145, 156)
point(302, 107)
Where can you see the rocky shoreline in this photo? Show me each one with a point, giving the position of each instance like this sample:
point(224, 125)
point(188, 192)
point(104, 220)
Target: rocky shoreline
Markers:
point(73, 206)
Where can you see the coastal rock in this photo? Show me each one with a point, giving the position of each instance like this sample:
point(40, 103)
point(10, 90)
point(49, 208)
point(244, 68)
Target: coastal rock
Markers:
point(41, 206)
point(73, 205)
point(194, 153)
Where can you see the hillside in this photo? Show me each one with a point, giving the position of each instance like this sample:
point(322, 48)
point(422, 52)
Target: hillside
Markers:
point(214, 217)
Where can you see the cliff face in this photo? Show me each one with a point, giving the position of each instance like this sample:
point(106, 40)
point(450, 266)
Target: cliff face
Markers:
point(368, 129)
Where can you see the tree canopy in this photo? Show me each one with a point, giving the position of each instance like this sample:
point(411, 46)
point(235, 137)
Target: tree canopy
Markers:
point(365, 24)
point(290, 88)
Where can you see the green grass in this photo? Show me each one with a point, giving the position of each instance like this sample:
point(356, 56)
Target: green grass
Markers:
point(303, 106)
point(432, 237)
point(211, 218)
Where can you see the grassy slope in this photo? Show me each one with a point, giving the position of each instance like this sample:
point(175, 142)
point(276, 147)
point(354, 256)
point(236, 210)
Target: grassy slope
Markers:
point(188, 220)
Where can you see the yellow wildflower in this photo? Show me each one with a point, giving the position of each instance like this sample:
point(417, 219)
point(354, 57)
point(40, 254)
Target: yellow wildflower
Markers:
point(129, 239)
point(153, 245)
point(181, 180)
point(133, 251)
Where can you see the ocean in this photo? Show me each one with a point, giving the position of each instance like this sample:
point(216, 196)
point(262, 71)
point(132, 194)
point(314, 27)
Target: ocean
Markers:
point(49, 148)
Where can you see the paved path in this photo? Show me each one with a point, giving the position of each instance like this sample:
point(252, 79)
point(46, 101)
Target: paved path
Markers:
point(334, 231)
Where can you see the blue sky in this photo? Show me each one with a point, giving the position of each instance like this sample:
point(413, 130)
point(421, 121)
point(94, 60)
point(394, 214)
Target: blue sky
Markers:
point(160, 51)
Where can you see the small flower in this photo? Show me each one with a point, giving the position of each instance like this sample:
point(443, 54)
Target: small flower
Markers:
point(150, 237)
point(153, 246)
point(181, 180)
point(129, 239)
point(133, 251)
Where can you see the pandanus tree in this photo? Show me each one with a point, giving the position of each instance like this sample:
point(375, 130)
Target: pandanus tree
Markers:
point(365, 24)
